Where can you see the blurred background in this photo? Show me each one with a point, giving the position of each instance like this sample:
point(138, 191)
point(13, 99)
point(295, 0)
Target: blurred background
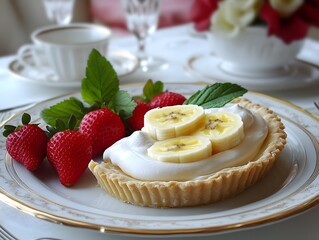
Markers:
point(18, 18)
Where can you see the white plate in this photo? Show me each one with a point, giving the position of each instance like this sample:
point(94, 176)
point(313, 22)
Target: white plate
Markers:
point(295, 75)
point(123, 62)
point(291, 186)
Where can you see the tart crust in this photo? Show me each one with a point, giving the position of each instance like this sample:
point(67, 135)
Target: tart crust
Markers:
point(223, 184)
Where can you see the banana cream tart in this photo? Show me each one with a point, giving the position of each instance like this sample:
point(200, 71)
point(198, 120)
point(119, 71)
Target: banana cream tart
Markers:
point(186, 155)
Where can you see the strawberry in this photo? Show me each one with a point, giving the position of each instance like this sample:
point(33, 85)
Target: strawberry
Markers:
point(136, 121)
point(167, 99)
point(103, 127)
point(26, 144)
point(69, 152)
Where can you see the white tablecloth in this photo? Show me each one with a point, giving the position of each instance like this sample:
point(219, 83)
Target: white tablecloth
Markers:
point(176, 45)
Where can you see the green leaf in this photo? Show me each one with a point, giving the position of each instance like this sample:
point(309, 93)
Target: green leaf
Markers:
point(63, 111)
point(216, 95)
point(151, 89)
point(122, 104)
point(60, 125)
point(72, 122)
point(26, 118)
point(10, 127)
point(6, 133)
point(101, 82)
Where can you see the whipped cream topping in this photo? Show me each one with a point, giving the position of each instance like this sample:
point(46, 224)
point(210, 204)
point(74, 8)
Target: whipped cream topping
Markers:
point(130, 153)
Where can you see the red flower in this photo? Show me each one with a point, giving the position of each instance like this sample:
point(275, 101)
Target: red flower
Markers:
point(288, 29)
point(309, 12)
point(201, 13)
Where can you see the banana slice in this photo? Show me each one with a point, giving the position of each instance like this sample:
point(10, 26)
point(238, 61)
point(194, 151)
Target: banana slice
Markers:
point(173, 121)
point(224, 129)
point(182, 149)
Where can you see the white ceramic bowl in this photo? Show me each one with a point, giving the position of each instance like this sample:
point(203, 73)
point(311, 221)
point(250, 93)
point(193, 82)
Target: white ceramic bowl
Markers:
point(253, 52)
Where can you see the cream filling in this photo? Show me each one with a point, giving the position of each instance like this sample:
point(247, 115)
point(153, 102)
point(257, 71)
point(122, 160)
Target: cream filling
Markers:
point(130, 153)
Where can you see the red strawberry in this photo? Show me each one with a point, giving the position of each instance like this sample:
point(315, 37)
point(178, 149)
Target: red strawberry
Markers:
point(103, 127)
point(69, 152)
point(26, 144)
point(167, 99)
point(136, 121)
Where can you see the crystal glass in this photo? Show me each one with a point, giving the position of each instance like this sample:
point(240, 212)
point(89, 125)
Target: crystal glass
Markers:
point(59, 11)
point(142, 20)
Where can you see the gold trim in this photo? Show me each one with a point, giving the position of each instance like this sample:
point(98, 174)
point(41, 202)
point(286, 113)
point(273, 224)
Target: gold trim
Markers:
point(16, 203)
point(312, 115)
point(36, 35)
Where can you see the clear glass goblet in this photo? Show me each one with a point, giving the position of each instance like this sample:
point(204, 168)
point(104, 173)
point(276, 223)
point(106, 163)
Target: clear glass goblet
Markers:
point(59, 11)
point(142, 20)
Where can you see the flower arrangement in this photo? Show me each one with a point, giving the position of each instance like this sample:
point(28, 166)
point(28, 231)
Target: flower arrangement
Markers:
point(289, 20)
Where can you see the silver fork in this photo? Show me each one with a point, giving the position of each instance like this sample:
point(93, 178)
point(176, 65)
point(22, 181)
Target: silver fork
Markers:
point(5, 234)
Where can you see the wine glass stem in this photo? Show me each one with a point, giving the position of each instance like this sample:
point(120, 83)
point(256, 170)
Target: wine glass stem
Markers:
point(141, 48)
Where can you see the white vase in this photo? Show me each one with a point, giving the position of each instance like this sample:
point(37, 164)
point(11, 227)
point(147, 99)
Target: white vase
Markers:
point(253, 52)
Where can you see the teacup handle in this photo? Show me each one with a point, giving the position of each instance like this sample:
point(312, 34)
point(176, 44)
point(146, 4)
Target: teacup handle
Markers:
point(24, 52)
point(27, 52)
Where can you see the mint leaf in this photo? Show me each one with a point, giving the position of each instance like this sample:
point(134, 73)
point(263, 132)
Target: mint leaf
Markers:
point(122, 104)
point(101, 82)
point(151, 89)
point(216, 95)
point(63, 111)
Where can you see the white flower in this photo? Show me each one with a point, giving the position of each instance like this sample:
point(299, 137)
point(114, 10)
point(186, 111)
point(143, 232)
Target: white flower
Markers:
point(222, 25)
point(286, 7)
point(234, 15)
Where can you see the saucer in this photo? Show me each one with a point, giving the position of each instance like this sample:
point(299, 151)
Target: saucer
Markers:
point(294, 75)
point(124, 63)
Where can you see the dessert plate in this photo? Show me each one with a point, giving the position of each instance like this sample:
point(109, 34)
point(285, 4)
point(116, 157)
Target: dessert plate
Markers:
point(295, 75)
point(291, 186)
point(123, 62)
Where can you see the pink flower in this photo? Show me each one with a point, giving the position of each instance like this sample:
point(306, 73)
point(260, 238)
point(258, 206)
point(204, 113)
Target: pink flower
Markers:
point(288, 29)
point(201, 13)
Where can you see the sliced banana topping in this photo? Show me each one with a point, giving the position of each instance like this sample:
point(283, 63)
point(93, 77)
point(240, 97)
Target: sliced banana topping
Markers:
point(182, 149)
point(224, 129)
point(173, 121)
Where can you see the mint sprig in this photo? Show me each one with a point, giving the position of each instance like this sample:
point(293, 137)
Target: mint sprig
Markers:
point(100, 88)
point(216, 95)
point(101, 82)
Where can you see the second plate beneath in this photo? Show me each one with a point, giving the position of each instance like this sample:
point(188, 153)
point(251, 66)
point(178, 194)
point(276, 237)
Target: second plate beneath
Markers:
point(294, 75)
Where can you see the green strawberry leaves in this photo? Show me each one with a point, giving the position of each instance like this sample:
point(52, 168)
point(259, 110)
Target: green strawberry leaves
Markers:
point(122, 104)
point(63, 111)
point(150, 90)
point(25, 119)
point(100, 88)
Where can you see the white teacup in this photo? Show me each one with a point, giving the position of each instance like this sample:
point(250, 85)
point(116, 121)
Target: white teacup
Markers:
point(61, 52)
